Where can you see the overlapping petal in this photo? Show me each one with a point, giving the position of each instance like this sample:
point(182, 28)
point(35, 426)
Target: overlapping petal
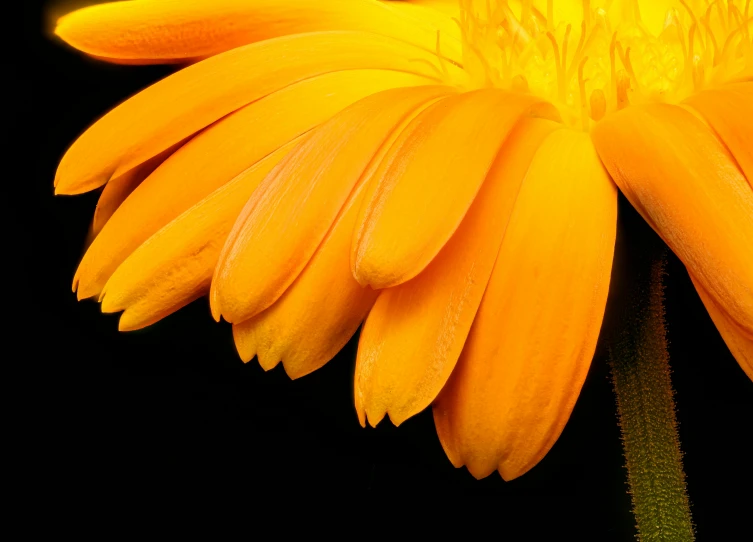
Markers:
point(323, 307)
point(304, 162)
point(119, 188)
point(281, 227)
point(175, 265)
point(689, 188)
point(182, 104)
point(739, 342)
point(416, 331)
point(729, 110)
point(535, 332)
point(218, 154)
point(318, 313)
point(428, 181)
point(146, 32)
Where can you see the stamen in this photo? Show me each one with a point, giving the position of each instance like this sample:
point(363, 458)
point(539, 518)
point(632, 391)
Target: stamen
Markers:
point(564, 47)
point(720, 9)
point(582, 46)
point(742, 28)
point(612, 72)
point(582, 88)
point(525, 12)
point(699, 74)
point(558, 66)
point(587, 13)
point(625, 59)
point(441, 58)
point(731, 8)
point(691, 43)
point(623, 86)
point(692, 16)
point(710, 34)
point(598, 104)
point(510, 51)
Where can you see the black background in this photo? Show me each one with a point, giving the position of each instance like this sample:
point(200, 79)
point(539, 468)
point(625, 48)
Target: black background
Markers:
point(171, 410)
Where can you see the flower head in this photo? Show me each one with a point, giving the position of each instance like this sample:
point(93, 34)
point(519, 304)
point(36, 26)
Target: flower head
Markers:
point(443, 172)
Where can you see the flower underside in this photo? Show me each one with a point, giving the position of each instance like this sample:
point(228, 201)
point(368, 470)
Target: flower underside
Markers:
point(607, 54)
point(325, 164)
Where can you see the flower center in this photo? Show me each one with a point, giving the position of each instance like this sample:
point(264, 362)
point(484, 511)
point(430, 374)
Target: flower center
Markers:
point(591, 57)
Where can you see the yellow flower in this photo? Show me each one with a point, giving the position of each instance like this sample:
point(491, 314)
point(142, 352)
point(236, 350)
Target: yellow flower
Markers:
point(442, 171)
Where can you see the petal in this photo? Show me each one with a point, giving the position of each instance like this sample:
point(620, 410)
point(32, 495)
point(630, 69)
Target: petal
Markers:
point(687, 186)
point(416, 331)
point(428, 181)
point(312, 320)
point(450, 8)
point(740, 344)
point(175, 265)
point(118, 189)
point(283, 224)
point(180, 30)
point(533, 338)
point(191, 99)
point(217, 155)
point(441, 15)
point(317, 314)
point(729, 110)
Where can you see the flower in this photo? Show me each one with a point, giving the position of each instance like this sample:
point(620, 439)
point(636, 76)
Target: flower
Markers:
point(444, 171)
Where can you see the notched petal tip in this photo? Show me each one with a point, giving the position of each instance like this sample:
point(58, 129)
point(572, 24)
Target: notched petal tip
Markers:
point(214, 304)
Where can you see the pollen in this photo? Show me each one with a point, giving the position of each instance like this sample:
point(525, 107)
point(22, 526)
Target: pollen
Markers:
point(592, 57)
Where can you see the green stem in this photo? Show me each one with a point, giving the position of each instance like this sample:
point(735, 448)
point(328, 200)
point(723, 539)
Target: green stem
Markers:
point(646, 408)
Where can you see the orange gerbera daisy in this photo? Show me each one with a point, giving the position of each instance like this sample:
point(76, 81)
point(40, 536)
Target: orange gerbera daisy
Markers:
point(444, 171)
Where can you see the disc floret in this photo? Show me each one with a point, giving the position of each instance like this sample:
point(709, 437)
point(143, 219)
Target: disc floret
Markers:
point(594, 57)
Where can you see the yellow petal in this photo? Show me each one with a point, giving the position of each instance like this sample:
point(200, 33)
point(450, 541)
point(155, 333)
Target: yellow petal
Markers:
point(534, 335)
point(441, 15)
point(450, 8)
point(416, 331)
point(117, 190)
point(282, 225)
point(191, 99)
point(217, 155)
point(687, 186)
point(428, 181)
point(175, 265)
point(729, 110)
point(317, 314)
point(740, 344)
point(180, 30)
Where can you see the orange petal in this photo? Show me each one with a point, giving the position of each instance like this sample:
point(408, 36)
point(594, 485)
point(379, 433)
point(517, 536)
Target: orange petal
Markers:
point(194, 97)
point(312, 320)
point(531, 343)
point(428, 181)
point(740, 344)
point(175, 265)
point(180, 30)
point(282, 225)
point(687, 186)
point(416, 331)
point(117, 190)
point(729, 110)
point(218, 154)
point(317, 314)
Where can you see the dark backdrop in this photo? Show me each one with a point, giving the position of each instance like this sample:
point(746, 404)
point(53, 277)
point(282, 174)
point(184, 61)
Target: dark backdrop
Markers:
point(171, 409)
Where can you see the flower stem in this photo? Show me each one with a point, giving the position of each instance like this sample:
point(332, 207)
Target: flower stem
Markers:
point(645, 403)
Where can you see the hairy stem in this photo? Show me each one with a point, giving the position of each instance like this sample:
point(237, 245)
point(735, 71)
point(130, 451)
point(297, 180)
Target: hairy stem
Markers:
point(645, 405)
